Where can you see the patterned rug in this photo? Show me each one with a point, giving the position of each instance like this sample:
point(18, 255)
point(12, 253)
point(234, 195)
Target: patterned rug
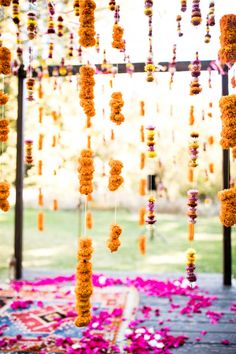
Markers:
point(38, 318)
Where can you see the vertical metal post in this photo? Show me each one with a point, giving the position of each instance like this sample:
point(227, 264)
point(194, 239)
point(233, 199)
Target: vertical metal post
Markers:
point(18, 242)
point(227, 250)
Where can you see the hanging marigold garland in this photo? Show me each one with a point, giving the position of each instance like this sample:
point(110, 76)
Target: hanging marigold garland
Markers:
point(86, 95)
point(142, 161)
point(117, 35)
point(227, 198)
point(29, 152)
point(228, 116)
point(5, 3)
point(5, 61)
point(115, 179)
point(151, 141)
point(191, 116)
point(227, 52)
point(116, 104)
point(87, 23)
point(196, 17)
point(113, 242)
point(193, 154)
point(84, 286)
point(192, 211)
point(4, 194)
point(4, 130)
point(190, 265)
point(86, 170)
point(195, 67)
point(142, 244)
point(40, 221)
point(89, 220)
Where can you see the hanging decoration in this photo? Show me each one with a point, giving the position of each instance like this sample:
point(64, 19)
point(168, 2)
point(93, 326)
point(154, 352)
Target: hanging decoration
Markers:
point(89, 220)
point(142, 160)
point(142, 187)
point(142, 134)
point(76, 7)
point(183, 5)
point(142, 108)
point(190, 265)
point(178, 20)
point(211, 167)
point(196, 17)
point(60, 26)
point(115, 179)
point(207, 35)
point(87, 83)
point(5, 3)
point(4, 194)
point(71, 46)
point(151, 142)
point(195, 67)
point(40, 167)
point(193, 154)
point(40, 221)
point(192, 212)
point(4, 130)
point(112, 5)
point(116, 104)
point(113, 242)
point(87, 23)
point(228, 117)
point(29, 152)
point(84, 286)
point(15, 12)
point(151, 214)
point(40, 198)
point(211, 14)
point(191, 116)
point(86, 170)
point(142, 212)
point(32, 24)
point(118, 31)
point(227, 198)
point(5, 61)
point(97, 45)
point(172, 67)
point(142, 244)
point(227, 52)
point(234, 153)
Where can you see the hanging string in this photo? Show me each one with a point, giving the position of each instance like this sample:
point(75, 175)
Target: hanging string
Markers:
point(116, 207)
point(85, 213)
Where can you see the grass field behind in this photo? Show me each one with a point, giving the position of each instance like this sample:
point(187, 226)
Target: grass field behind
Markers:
point(55, 248)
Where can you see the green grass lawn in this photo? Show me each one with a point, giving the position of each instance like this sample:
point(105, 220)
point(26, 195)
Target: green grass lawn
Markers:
point(56, 247)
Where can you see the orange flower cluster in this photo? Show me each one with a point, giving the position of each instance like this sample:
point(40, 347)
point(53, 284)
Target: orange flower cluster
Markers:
point(112, 5)
point(55, 204)
point(227, 53)
point(86, 170)
point(234, 153)
point(228, 116)
point(142, 244)
point(142, 212)
point(211, 167)
point(5, 2)
point(228, 206)
point(142, 160)
point(142, 187)
point(84, 286)
point(3, 98)
point(113, 242)
point(116, 104)
point(142, 134)
point(5, 60)
point(40, 115)
point(40, 141)
point(40, 221)
point(86, 95)
point(87, 21)
point(191, 116)
point(211, 140)
point(29, 152)
point(4, 130)
point(40, 198)
point(115, 180)
point(40, 167)
point(89, 220)
point(142, 108)
point(4, 194)
point(117, 35)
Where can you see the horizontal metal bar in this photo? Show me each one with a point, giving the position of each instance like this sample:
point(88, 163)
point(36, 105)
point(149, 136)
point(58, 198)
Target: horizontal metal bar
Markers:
point(121, 68)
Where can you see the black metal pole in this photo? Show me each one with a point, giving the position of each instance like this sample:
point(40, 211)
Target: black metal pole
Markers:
point(18, 243)
point(227, 250)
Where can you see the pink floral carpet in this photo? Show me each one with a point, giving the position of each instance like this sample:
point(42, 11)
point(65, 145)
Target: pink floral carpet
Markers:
point(38, 317)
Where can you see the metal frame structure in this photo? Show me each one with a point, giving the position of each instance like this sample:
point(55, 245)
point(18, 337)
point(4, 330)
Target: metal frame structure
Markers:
point(121, 68)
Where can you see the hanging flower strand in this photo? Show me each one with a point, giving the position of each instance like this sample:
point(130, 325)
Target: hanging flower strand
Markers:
point(86, 94)
point(178, 20)
point(151, 141)
point(227, 52)
point(172, 67)
point(87, 23)
point(116, 104)
point(190, 265)
point(32, 23)
point(192, 212)
point(149, 67)
point(196, 17)
point(183, 5)
point(195, 67)
point(118, 31)
point(193, 155)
